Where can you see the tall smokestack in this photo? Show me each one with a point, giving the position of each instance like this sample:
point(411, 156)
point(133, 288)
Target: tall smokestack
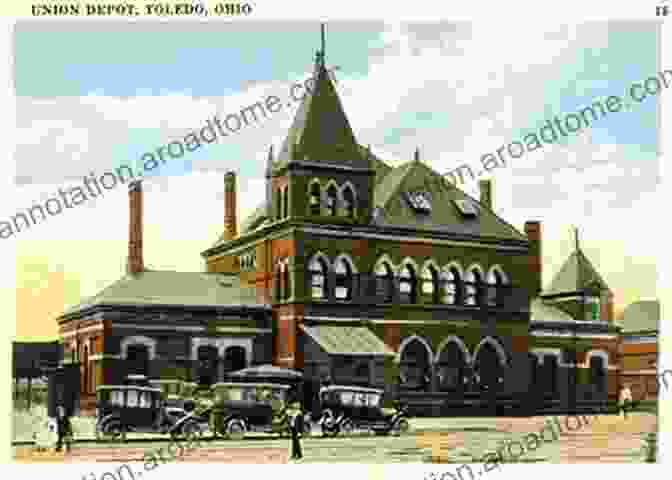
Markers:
point(230, 207)
point(533, 232)
point(135, 262)
point(485, 186)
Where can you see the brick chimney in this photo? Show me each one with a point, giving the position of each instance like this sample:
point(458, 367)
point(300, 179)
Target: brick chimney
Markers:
point(230, 207)
point(607, 313)
point(485, 186)
point(533, 232)
point(135, 263)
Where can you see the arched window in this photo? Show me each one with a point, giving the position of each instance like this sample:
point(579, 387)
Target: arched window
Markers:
point(407, 284)
point(384, 282)
point(496, 281)
point(234, 358)
point(208, 359)
point(137, 356)
point(285, 202)
point(332, 201)
point(317, 271)
point(430, 287)
point(597, 373)
point(348, 202)
point(452, 286)
point(473, 284)
point(344, 278)
point(414, 365)
point(314, 200)
point(283, 280)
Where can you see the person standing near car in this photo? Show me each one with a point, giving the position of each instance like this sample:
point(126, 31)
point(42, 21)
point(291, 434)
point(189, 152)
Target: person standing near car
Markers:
point(63, 429)
point(296, 428)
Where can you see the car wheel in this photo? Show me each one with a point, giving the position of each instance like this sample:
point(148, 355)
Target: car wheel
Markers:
point(190, 429)
point(112, 430)
point(235, 429)
point(401, 426)
point(347, 427)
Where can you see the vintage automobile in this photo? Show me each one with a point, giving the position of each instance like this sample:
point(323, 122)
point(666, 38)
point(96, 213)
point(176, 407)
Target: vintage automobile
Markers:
point(346, 408)
point(239, 408)
point(121, 409)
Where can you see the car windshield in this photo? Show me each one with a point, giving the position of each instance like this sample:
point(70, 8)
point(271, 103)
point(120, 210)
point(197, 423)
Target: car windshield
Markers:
point(117, 398)
point(346, 398)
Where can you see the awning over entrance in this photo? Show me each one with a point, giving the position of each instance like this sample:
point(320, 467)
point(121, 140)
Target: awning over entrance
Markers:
point(347, 340)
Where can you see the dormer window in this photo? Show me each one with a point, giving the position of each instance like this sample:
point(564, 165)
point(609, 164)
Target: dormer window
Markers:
point(466, 208)
point(419, 201)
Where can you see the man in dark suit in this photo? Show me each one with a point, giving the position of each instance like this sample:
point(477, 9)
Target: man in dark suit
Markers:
point(296, 428)
point(63, 429)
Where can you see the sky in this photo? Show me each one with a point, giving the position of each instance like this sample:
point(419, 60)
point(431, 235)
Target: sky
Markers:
point(453, 90)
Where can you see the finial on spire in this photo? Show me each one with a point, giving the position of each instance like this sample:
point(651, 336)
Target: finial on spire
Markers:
point(323, 42)
point(576, 239)
point(416, 155)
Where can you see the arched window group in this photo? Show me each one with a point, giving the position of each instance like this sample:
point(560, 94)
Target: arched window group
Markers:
point(452, 368)
point(332, 200)
point(407, 283)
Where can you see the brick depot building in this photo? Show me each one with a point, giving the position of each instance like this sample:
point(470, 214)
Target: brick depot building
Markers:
point(357, 272)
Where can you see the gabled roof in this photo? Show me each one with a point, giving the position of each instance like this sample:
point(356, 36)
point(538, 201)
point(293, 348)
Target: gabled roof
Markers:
point(642, 316)
point(576, 274)
point(390, 193)
point(321, 132)
point(190, 289)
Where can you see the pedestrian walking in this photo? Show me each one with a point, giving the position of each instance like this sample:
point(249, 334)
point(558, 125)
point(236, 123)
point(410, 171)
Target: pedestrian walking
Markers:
point(296, 428)
point(625, 400)
point(63, 429)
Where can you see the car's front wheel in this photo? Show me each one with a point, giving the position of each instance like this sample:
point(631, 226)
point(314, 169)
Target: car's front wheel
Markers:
point(347, 427)
point(236, 429)
point(112, 430)
point(401, 426)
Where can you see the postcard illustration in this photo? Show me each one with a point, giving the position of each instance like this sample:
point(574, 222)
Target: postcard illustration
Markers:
point(337, 241)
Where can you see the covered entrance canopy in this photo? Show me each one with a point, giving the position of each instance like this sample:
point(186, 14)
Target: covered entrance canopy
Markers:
point(347, 340)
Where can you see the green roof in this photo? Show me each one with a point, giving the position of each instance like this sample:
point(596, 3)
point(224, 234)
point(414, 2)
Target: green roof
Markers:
point(347, 340)
point(190, 289)
point(575, 274)
point(642, 316)
point(543, 312)
point(390, 193)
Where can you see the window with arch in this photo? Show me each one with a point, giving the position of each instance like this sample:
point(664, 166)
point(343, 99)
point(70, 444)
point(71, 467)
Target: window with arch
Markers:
point(496, 281)
point(384, 282)
point(348, 202)
point(332, 200)
point(344, 279)
point(473, 281)
point(284, 280)
point(430, 283)
point(278, 204)
point(317, 271)
point(285, 202)
point(452, 286)
point(314, 200)
point(408, 284)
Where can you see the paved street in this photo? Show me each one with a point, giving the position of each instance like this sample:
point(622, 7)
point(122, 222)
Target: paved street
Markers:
point(446, 440)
